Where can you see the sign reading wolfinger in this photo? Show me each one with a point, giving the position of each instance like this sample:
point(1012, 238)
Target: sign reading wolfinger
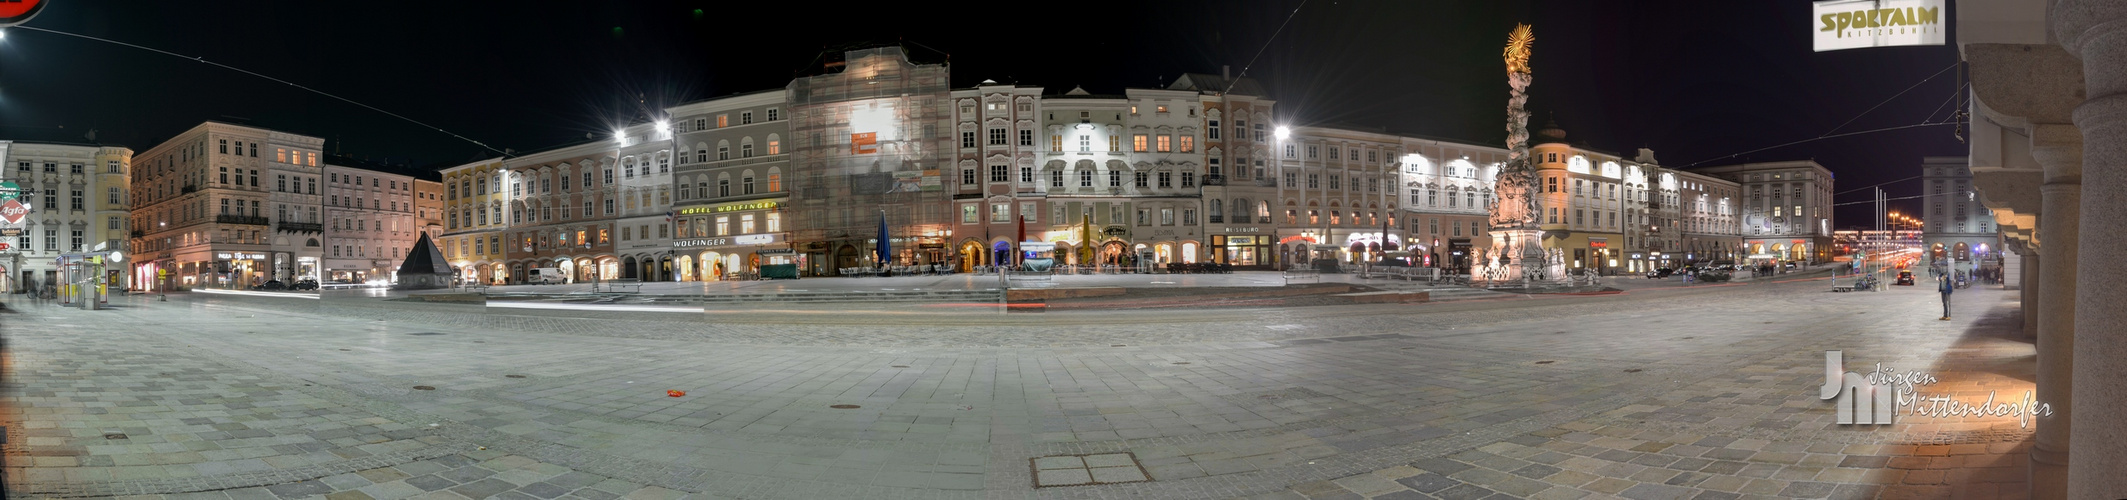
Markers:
point(1856, 24)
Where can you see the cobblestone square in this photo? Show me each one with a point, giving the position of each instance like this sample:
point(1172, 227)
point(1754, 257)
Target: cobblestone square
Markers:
point(1659, 392)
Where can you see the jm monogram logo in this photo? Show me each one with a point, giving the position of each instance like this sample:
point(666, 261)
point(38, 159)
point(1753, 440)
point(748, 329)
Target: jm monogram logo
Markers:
point(1856, 398)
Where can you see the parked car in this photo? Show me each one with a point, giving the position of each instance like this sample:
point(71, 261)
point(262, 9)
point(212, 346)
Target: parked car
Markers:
point(1904, 278)
point(304, 285)
point(1660, 273)
point(273, 285)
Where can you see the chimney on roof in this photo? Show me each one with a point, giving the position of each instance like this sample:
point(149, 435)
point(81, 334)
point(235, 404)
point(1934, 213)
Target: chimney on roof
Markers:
point(1226, 71)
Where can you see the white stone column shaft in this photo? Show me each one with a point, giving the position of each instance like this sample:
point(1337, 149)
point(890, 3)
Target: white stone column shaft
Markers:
point(2058, 148)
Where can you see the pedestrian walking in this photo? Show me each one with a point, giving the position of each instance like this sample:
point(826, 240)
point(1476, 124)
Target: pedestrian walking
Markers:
point(1946, 288)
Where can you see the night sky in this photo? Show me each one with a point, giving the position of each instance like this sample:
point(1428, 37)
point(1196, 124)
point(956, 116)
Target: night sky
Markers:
point(1695, 81)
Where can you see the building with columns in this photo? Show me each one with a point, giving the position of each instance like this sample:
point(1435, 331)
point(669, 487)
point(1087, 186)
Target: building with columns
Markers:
point(1786, 212)
point(1237, 186)
point(733, 176)
point(871, 138)
point(370, 223)
point(995, 127)
point(1447, 190)
point(428, 207)
point(1957, 230)
point(1339, 187)
point(2048, 96)
point(1582, 202)
point(202, 205)
point(77, 198)
point(472, 210)
point(642, 189)
point(561, 207)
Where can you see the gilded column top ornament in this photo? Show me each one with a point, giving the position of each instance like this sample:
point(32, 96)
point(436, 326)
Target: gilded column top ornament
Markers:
point(1517, 53)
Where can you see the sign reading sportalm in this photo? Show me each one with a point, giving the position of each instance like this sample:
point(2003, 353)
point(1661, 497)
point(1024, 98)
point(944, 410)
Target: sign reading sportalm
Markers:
point(1858, 24)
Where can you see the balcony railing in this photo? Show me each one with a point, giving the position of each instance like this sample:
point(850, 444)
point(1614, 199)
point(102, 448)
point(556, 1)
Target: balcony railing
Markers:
point(1214, 180)
point(188, 189)
point(301, 227)
point(242, 219)
point(1215, 219)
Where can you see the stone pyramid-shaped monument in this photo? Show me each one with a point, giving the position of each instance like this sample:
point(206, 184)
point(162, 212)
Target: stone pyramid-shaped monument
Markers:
point(425, 267)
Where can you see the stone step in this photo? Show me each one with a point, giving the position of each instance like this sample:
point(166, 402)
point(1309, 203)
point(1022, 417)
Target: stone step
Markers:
point(878, 296)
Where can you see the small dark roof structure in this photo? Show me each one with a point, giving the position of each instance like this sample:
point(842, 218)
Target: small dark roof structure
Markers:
point(425, 258)
point(1203, 82)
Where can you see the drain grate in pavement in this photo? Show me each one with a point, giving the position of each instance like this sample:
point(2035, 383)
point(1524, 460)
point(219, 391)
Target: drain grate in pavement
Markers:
point(900, 366)
point(1545, 362)
point(513, 376)
point(1085, 470)
point(423, 388)
point(1632, 370)
point(114, 435)
point(425, 333)
point(844, 407)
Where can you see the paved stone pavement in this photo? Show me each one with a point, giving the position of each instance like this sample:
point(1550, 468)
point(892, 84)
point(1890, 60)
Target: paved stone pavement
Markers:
point(1658, 393)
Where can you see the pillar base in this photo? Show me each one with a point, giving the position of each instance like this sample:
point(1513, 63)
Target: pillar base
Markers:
point(2049, 474)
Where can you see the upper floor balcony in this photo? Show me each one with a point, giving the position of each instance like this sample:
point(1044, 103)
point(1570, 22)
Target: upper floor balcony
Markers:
point(242, 219)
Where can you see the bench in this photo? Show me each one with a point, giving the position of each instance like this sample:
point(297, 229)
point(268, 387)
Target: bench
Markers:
point(614, 285)
point(1292, 275)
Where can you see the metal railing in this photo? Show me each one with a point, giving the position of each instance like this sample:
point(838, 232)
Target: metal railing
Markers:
point(242, 219)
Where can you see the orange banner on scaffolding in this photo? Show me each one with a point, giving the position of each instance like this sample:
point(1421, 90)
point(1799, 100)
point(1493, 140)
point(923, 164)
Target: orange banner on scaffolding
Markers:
point(863, 143)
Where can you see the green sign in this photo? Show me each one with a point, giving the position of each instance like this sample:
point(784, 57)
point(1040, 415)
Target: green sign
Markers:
point(8, 191)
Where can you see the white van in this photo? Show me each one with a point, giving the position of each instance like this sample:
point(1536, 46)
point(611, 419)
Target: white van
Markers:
point(545, 276)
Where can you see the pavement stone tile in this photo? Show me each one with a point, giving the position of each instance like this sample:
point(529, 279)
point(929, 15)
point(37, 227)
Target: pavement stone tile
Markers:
point(576, 422)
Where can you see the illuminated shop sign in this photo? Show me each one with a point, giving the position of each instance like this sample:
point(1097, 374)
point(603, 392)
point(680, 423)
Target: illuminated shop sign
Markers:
point(736, 207)
point(238, 255)
point(748, 239)
point(1858, 24)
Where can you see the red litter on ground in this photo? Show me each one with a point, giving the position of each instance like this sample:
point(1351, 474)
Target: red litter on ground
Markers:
point(675, 393)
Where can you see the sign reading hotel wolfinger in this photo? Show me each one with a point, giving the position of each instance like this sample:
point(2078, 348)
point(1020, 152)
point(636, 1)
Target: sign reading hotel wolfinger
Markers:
point(1858, 24)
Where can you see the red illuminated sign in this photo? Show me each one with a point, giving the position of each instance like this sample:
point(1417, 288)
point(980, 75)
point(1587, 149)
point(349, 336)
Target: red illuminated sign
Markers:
point(13, 12)
point(12, 211)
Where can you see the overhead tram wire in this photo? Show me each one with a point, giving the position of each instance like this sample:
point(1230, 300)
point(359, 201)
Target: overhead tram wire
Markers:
point(1874, 185)
point(1814, 139)
point(1893, 97)
point(277, 80)
point(1266, 46)
point(1849, 121)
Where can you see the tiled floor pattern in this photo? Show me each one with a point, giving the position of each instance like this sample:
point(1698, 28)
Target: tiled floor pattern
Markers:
point(1307, 402)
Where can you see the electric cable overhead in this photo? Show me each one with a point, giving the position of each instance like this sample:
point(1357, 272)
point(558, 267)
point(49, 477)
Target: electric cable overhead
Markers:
point(1874, 185)
point(276, 80)
point(1266, 46)
point(1893, 97)
point(1829, 134)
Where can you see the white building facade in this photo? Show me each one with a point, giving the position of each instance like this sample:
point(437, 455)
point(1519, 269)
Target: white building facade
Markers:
point(77, 202)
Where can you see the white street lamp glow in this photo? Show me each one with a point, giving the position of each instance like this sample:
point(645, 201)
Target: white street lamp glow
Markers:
point(1283, 133)
point(620, 135)
point(664, 126)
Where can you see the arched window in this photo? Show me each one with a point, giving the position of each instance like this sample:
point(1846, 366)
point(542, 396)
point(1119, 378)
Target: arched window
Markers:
point(747, 180)
point(775, 174)
point(1218, 212)
point(746, 147)
point(775, 147)
point(701, 152)
point(723, 185)
point(723, 150)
